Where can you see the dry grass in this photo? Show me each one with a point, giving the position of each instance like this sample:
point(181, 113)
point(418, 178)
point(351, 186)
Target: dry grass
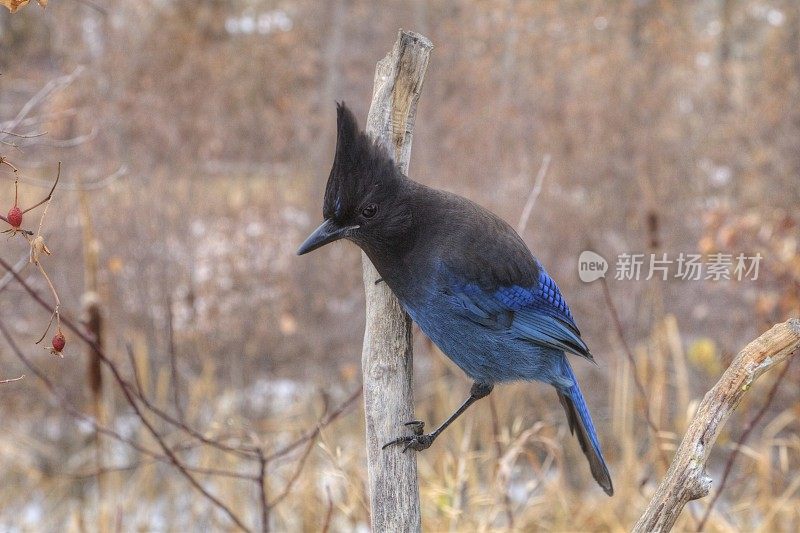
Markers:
point(464, 483)
point(536, 478)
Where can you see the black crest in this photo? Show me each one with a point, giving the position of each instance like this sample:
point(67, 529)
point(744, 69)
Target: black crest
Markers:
point(361, 168)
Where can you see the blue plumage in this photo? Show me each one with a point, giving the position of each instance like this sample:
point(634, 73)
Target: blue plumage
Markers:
point(549, 292)
point(521, 325)
point(463, 275)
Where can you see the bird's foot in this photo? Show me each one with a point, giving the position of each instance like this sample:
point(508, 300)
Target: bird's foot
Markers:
point(418, 441)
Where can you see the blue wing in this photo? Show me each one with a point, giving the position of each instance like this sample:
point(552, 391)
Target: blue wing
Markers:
point(538, 314)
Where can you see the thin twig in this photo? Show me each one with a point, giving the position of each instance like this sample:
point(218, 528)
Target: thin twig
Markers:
point(71, 142)
point(138, 390)
point(172, 351)
point(217, 472)
point(741, 442)
point(42, 118)
point(18, 267)
point(68, 406)
point(23, 135)
point(295, 476)
point(36, 99)
point(632, 360)
point(49, 195)
point(81, 186)
point(93, 5)
point(312, 434)
point(74, 411)
point(127, 391)
point(171, 455)
point(242, 451)
point(12, 379)
point(136, 379)
point(108, 470)
point(57, 307)
point(262, 490)
point(11, 144)
point(329, 515)
point(6, 162)
point(499, 454)
point(37, 248)
point(139, 393)
point(534, 194)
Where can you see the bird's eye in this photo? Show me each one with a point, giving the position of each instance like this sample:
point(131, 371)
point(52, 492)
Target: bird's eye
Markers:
point(369, 211)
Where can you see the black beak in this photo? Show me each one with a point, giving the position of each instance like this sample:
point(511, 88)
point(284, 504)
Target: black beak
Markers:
point(327, 232)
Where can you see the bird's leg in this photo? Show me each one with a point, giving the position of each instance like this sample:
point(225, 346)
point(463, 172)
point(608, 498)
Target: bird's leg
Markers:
point(420, 441)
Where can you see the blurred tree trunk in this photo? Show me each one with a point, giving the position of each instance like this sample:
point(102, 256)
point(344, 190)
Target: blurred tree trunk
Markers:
point(725, 94)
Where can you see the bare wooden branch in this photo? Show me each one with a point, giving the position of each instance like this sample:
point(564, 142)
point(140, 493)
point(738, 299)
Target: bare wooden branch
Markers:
point(79, 184)
point(23, 135)
point(49, 195)
point(534, 194)
point(686, 479)
point(740, 442)
point(49, 88)
point(387, 354)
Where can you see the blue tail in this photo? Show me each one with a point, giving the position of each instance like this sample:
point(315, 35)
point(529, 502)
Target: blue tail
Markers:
point(580, 424)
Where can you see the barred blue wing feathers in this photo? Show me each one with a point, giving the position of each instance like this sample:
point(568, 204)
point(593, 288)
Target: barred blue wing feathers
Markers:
point(538, 314)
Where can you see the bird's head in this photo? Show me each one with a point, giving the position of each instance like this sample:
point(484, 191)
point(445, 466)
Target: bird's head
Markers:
point(362, 201)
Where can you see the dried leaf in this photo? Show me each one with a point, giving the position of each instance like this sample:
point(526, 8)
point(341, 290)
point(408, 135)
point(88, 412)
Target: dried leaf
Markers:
point(13, 5)
point(38, 248)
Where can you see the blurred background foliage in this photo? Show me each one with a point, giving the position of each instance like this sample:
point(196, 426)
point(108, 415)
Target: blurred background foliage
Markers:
point(196, 137)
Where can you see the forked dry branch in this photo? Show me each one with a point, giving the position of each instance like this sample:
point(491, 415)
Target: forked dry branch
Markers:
point(687, 479)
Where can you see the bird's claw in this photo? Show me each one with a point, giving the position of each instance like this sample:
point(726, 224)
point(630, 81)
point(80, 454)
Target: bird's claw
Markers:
point(414, 442)
point(418, 441)
point(417, 426)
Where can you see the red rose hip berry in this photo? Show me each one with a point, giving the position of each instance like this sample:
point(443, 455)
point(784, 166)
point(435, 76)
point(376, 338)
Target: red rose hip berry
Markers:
point(59, 342)
point(15, 216)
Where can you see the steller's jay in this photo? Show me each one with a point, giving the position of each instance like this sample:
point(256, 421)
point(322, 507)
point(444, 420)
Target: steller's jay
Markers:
point(463, 275)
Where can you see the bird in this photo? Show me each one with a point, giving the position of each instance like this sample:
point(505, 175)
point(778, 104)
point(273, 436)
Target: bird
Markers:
point(463, 275)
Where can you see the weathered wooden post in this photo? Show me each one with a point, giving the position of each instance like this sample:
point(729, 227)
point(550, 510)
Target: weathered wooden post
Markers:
point(387, 354)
